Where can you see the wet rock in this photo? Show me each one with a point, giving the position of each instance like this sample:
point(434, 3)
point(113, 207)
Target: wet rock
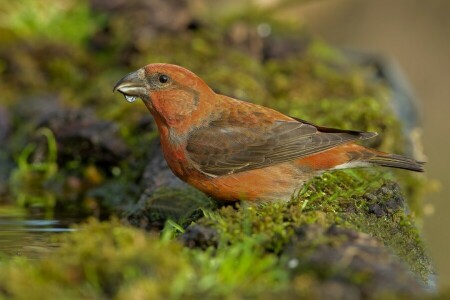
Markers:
point(347, 264)
point(198, 236)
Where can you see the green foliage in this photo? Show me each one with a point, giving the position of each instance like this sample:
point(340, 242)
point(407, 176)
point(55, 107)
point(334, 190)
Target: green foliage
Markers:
point(29, 181)
point(68, 21)
point(241, 269)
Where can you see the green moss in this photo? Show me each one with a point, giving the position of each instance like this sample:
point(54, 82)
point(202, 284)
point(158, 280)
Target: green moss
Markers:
point(414, 186)
point(341, 197)
point(340, 191)
point(70, 21)
point(312, 76)
point(322, 200)
point(267, 224)
point(108, 260)
point(399, 233)
point(365, 113)
point(348, 196)
point(93, 262)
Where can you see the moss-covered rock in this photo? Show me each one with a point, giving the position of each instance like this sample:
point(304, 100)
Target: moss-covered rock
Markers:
point(345, 264)
point(109, 260)
point(364, 200)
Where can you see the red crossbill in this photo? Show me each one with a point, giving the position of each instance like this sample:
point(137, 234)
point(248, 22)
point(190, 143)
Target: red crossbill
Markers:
point(231, 149)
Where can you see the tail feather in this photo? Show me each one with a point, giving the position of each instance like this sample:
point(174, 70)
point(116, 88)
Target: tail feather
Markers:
point(397, 161)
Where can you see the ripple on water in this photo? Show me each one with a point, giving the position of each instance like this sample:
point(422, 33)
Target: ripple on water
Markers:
point(29, 236)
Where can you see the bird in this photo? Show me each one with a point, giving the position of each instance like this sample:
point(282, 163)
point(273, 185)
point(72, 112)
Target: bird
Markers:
point(236, 150)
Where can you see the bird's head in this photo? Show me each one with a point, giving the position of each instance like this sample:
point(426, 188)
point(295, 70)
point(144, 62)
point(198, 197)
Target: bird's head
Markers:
point(170, 92)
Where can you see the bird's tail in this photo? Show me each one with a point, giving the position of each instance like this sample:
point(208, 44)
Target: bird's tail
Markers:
point(396, 161)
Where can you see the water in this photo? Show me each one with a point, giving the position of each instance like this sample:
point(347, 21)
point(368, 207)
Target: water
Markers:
point(130, 98)
point(29, 235)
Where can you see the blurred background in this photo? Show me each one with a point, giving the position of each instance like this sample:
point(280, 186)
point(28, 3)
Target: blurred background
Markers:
point(50, 50)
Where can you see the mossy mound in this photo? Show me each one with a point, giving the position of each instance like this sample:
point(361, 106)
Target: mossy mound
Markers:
point(109, 260)
point(364, 200)
point(343, 263)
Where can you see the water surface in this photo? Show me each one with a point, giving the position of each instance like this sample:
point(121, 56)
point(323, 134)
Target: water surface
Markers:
point(29, 235)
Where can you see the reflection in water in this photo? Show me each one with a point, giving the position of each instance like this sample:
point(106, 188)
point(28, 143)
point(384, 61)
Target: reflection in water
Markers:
point(31, 237)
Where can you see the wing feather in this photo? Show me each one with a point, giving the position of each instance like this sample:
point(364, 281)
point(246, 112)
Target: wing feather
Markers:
point(222, 148)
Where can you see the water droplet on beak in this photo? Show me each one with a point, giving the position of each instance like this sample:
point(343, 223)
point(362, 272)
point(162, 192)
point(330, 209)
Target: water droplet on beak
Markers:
point(130, 98)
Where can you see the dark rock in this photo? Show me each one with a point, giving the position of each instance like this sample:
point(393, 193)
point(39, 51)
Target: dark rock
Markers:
point(5, 124)
point(245, 37)
point(182, 206)
point(36, 109)
point(82, 140)
point(149, 17)
point(376, 210)
point(5, 157)
point(80, 135)
point(257, 41)
point(385, 200)
point(165, 196)
point(352, 264)
point(282, 48)
point(197, 236)
point(149, 20)
point(158, 174)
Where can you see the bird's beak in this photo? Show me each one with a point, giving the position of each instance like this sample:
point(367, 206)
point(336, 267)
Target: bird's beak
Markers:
point(132, 85)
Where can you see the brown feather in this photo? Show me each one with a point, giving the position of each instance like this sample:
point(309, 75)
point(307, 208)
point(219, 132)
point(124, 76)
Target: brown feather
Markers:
point(223, 147)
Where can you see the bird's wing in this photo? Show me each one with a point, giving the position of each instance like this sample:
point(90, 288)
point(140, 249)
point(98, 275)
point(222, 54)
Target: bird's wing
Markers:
point(223, 148)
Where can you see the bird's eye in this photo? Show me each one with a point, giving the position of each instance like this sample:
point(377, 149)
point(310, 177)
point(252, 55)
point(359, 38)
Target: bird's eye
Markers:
point(163, 78)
